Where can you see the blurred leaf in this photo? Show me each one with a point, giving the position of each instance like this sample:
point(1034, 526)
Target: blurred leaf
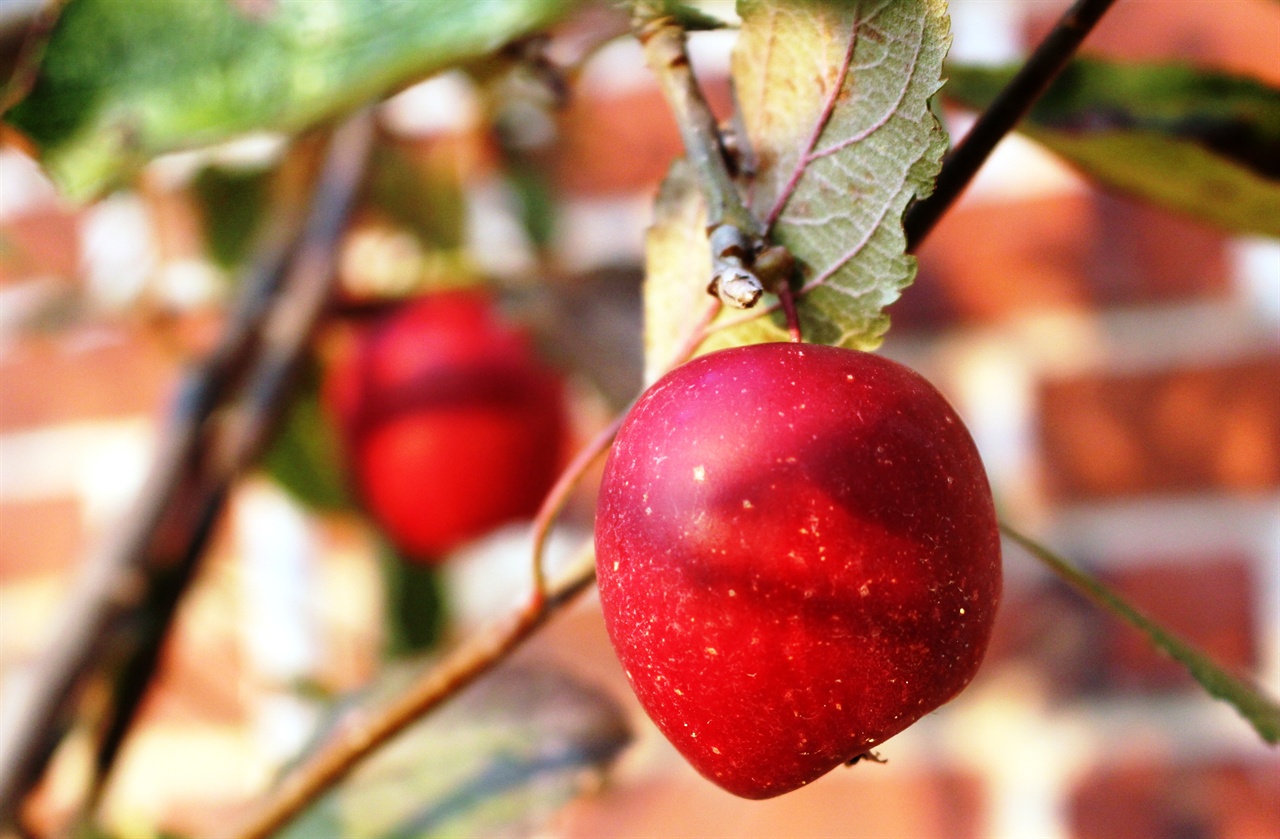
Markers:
point(1196, 141)
point(1259, 710)
point(423, 195)
point(415, 603)
point(304, 456)
point(835, 99)
point(231, 202)
point(498, 760)
point(533, 189)
point(692, 18)
point(124, 81)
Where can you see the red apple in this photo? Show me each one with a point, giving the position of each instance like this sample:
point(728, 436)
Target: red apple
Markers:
point(450, 424)
point(798, 558)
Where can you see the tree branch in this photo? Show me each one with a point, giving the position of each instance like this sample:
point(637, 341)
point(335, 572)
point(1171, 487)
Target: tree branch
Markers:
point(137, 579)
point(1053, 53)
point(358, 735)
point(664, 48)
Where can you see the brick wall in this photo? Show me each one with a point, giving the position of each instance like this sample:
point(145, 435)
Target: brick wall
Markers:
point(1118, 365)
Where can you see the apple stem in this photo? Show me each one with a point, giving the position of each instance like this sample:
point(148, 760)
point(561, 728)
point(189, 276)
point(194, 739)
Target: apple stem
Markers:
point(558, 496)
point(788, 301)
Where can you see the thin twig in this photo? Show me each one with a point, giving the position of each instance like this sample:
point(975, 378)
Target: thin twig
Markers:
point(236, 444)
point(787, 300)
point(140, 575)
point(1053, 54)
point(109, 589)
point(664, 48)
point(1258, 709)
point(554, 503)
point(360, 734)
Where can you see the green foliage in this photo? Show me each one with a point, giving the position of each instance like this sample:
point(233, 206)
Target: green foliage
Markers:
point(231, 203)
point(304, 456)
point(415, 604)
point(122, 82)
point(427, 199)
point(1199, 142)
point(1262, 712)
point(499, 760)
point(690, 18)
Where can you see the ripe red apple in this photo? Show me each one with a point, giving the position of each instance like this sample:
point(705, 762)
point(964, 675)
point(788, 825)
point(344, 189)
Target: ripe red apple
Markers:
point(450, 424)
point(798, 558)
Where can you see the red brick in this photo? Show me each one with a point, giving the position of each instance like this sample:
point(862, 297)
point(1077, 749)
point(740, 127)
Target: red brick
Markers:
point(1143, 254)
point(44, 243)
point(39, 536)
point(623, 143)
point(1159, 801)
point(85, 373)
point(986, 261)
point(1177, 431)
point(1209, 604)
point(860, 801)
point(1052, 630)
point(1074, 252)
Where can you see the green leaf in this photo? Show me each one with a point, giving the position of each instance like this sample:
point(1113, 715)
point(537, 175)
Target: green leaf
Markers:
point(232, 204)
point(1200, 142)
point(125, 80)
point(690, 18)
point(416, 608)
point(1261, 712)
point(426, 196)
point(835, 99)
point(498, 760)
point(304, 456)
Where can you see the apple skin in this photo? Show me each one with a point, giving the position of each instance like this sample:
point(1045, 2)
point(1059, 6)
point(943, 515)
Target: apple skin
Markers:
point(449, 423)
point(798, 557)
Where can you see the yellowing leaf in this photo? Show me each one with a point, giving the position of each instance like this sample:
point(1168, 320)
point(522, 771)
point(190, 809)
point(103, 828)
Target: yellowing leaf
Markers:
point(678, 262)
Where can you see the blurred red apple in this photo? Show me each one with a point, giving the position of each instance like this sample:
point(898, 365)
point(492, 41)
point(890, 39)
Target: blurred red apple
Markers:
point(798, 558)
point(450, 424)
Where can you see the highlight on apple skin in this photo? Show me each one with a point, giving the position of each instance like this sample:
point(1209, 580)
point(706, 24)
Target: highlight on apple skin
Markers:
point(450, 424)
point(798, 558)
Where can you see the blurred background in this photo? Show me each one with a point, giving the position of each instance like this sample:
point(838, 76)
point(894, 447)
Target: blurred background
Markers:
point(1118, 365)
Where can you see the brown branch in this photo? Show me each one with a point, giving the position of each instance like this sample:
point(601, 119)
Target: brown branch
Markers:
point(360, 734)
point(1013, 103)
point(136, 580)
point(664, 48)
point(554, 503)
